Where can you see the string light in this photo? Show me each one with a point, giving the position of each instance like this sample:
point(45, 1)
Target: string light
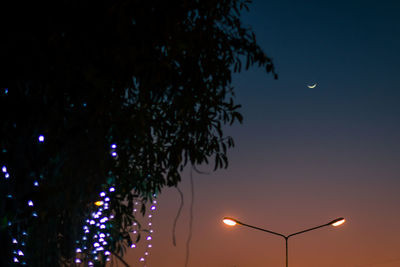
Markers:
point(148, 245)
point(95, 239)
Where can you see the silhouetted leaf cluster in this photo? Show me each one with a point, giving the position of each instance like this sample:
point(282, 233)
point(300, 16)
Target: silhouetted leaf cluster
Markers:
point(153, 77)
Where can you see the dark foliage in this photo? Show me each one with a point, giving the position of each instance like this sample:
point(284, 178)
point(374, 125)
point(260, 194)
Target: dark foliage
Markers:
point(152, 76)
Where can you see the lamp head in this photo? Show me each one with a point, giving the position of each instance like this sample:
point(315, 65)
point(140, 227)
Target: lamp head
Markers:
point(229, 221)
point(338, 221)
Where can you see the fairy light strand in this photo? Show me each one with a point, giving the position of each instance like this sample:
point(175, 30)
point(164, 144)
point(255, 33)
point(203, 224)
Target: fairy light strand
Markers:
point(94, 243)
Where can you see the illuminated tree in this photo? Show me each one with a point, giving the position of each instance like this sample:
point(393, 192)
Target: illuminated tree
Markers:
point(152, 78)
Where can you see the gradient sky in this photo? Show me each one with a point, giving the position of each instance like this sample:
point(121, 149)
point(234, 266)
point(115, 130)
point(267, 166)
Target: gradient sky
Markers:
point(303, 156)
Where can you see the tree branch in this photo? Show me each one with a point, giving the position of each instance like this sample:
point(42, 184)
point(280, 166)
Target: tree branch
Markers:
point(121, 259)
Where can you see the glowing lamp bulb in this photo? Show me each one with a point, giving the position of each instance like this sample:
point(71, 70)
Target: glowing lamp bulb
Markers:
point(229, 221)
point(99, 203)
point(338, 222)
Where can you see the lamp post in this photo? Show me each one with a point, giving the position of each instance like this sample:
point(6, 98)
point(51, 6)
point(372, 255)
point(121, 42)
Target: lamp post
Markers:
point(233, 222)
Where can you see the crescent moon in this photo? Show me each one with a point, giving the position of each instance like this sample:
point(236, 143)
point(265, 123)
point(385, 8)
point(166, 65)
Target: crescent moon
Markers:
point(312, 86)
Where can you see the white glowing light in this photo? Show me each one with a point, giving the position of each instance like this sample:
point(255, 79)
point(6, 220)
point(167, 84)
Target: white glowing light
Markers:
point(15, 259)
point(153, 207)
point(92, 222)
point(78, 261)
point(229, 222)
point(141, 259)
point(41, 138)
point(96, 245)
point(107, 253)
point(15, 241)
point(112, 189)
point(30, 203)
point(113, 146)
point(7, 175)
point(102, 226)
point(339, 222)
point(20, 253)
point(35, 183)
point(78, 250)
point(133, 246)
point(4, 169)
point(148, 238)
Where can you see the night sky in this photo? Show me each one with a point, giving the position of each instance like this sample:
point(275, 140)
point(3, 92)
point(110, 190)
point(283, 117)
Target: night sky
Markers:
point(303, 156)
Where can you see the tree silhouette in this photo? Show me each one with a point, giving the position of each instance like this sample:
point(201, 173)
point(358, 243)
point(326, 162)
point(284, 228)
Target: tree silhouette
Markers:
point(77, 77)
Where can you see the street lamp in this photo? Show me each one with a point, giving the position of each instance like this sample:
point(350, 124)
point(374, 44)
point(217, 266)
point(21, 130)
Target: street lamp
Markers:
point(232, 222)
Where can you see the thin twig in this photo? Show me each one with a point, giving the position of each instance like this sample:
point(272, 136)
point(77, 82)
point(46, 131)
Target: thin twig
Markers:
point(121, 259)
point(177, 216)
